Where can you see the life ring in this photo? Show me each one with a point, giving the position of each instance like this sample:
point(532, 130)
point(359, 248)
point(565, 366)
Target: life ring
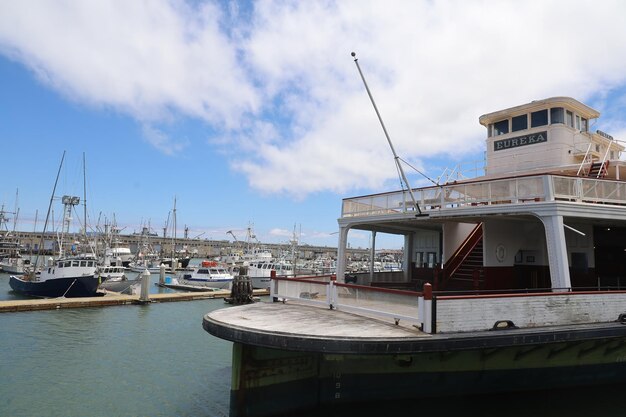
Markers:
point(500, 252)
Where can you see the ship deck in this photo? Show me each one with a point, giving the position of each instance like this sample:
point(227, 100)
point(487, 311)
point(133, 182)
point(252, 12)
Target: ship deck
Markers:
point(315, 329)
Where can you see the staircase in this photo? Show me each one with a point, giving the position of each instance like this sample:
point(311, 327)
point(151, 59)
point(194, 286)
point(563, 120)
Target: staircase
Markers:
point(598, 169)
point(458, 273)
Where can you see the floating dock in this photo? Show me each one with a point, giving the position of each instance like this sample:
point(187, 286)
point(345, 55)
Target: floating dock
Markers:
point(109, 299)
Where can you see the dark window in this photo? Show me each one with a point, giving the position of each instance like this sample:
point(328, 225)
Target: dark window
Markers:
point(539, 118)
point(583, 124)
point(556, 115)
point(501, 127)
point(519, 123)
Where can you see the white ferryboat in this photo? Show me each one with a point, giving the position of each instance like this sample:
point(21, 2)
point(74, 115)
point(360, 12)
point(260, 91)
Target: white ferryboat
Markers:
point(518, 281)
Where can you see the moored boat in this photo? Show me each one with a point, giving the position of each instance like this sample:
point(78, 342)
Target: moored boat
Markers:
point(66, 277)
point(206, 276)
point(514, 282)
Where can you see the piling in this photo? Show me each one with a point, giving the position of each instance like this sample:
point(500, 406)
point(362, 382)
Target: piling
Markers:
point(162, 274)
point(241, 291)
point(145, 287)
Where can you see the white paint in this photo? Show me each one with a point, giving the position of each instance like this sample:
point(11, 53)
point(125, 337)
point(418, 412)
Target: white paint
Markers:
point(474, 314)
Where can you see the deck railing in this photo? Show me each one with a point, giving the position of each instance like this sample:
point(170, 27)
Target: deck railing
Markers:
point(456, 313)
point(383, 303)
point(488, 192)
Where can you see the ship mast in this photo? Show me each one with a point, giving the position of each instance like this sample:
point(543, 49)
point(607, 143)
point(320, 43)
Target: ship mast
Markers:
point(395, 155)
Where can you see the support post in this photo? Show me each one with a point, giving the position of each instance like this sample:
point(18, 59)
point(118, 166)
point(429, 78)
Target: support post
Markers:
point(145, 287)
point(341, 253)
point(372, 254)
point(557, 253)
point(427, 327)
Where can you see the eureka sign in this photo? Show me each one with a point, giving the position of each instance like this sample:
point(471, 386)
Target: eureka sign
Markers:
point(539, 137)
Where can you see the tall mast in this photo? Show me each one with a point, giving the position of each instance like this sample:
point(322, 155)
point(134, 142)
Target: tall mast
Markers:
point(45, 225)
point(84, 200)
point(395, 156)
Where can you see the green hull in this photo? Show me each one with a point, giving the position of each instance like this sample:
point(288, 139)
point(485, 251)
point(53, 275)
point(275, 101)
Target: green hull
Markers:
point(268, 382)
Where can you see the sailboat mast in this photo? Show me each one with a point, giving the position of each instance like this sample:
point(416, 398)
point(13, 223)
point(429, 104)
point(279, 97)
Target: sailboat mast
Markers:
point(395, 156)
point(174, 233)
point(17, 210)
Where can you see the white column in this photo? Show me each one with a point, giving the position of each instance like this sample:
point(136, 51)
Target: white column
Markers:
point(341, 253)
point(557, 252)
point(406, 256)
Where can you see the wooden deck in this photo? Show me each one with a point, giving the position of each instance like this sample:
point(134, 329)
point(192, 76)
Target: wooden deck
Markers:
point(109, 299)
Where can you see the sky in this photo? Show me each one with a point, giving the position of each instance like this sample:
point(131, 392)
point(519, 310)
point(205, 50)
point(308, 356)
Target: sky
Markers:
point(253, 113)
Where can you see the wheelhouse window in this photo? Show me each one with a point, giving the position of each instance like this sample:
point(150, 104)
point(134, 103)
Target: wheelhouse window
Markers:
point(501, 127)
point(539, 118)
point(583, 124)
point(556, 115)
point(519, 123)
point(569, 118)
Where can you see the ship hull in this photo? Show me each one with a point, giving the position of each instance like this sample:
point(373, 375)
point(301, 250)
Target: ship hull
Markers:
point(310, 380)
point(83, 286)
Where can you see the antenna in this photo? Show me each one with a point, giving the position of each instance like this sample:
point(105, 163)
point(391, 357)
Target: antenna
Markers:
point(395, 156)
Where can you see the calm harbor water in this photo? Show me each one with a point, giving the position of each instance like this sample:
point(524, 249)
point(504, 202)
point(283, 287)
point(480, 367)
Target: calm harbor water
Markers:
point(156, 360)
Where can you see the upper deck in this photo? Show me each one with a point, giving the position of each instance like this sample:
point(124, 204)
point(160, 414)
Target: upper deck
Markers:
point(540, 151)
point(500, 192)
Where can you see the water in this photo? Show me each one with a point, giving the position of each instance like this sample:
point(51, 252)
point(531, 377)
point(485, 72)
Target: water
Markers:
point(153, 360)
point(156, 360)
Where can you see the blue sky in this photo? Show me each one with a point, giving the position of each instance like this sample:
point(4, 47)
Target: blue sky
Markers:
point(254, 113)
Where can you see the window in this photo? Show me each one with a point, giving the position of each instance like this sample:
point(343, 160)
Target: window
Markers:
point(501, 127)
point(569, 118)
point(556, 115)
point(519, 123)
point(83, 263)
point(578, 122)
point(583, 124)
point(539, 118)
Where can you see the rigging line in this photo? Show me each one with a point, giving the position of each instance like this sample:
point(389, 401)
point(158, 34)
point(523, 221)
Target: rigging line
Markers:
point(420, 172)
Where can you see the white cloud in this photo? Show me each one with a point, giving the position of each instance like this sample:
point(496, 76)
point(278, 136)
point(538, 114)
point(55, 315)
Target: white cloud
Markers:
point(162, 141)
point(276, 83)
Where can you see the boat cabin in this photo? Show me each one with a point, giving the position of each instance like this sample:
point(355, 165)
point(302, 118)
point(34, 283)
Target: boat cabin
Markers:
point(549, 213)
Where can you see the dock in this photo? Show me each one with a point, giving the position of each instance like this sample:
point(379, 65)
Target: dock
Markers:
point(110, 299)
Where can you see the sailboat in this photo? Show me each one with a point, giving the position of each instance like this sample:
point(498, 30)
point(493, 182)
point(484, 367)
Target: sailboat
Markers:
point(71, 275)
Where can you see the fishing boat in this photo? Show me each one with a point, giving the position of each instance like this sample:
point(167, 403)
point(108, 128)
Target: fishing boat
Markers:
point(513, 281)
point(73, 274)
point(11, 260)
point(261, 272)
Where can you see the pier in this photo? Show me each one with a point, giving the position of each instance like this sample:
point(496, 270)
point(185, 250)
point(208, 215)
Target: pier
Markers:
point(110, 299)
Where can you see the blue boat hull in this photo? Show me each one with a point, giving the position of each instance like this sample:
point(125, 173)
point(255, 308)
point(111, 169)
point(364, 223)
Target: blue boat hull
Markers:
point(84, 286)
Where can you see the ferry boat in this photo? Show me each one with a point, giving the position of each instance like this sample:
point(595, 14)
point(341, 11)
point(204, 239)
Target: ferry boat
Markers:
point(515, 281)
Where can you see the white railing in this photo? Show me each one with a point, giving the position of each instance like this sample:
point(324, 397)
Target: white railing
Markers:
point(367, 301)
point(489, 192)
point(456, 313)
